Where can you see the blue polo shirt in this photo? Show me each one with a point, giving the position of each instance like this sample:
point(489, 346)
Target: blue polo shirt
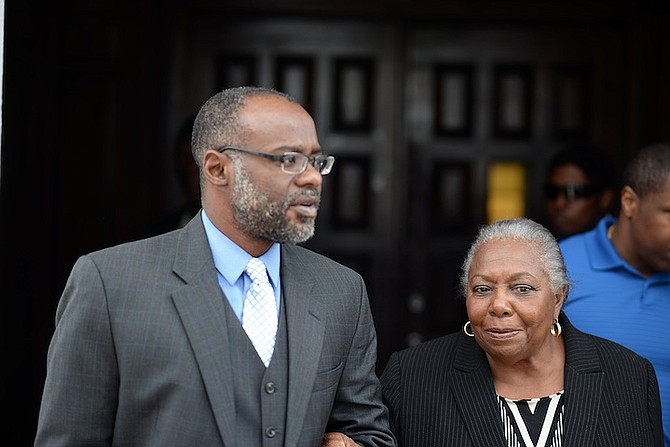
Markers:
point(611, 299)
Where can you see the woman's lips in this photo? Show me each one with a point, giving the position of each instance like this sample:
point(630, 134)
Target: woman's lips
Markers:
point(501, 334)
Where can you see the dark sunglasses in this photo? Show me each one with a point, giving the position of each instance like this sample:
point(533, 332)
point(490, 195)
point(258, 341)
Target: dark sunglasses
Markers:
point(570, 192)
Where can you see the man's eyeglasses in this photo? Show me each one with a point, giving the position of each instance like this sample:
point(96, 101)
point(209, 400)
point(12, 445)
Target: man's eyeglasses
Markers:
point(291, 162)
point(571, 192)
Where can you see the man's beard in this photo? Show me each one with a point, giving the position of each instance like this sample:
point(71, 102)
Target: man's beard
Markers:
point(258, 216)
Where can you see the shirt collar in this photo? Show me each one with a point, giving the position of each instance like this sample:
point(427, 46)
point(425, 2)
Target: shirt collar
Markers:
point(231, 260)
point(604, 256)
point(601, 250)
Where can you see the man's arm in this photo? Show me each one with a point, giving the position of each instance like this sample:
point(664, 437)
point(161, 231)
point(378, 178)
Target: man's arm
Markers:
point(80, 394)
point(358, 410)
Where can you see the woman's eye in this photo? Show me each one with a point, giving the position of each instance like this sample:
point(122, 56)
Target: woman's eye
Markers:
point(522, 288)
point(480, 289)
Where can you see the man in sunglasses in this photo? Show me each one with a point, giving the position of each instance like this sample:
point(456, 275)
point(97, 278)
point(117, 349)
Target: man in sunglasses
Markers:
point(621, 270)
point(578, 190)
point(225, 332)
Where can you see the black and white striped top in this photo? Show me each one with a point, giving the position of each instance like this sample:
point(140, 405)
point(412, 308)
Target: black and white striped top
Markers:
point(533, 422)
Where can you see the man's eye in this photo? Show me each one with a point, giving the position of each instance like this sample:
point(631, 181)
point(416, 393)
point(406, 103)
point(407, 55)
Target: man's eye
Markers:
point(290, 159)
point(523, 288)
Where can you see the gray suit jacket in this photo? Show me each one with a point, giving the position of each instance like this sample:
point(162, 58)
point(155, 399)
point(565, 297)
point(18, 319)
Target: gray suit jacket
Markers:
point(138, 357)
point(441, 393)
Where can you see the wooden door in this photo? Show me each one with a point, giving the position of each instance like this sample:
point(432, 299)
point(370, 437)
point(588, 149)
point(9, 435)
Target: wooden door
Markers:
point(480, 100)
point(418, 119)
point(345, 74)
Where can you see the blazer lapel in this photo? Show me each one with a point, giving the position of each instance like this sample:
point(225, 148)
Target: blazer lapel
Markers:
point(305, 339)
point(583, 387)
point(472, 386)
point(200, 307)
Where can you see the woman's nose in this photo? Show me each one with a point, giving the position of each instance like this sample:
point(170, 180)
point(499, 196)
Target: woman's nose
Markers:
point(499, 304)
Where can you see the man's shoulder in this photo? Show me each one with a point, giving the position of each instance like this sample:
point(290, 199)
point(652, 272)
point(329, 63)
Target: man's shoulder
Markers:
point(615, 354)
point(576, 241)
point(309, 257)
point(574, 251)
point(571, 241)
point(591, 251)
point(143, 247)
point(580, 240)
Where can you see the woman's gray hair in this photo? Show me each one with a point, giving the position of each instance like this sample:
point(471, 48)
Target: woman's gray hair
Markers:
point(541, 239)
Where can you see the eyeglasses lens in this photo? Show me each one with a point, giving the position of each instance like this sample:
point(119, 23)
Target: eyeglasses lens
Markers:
point(296, 163)
point(324, 163)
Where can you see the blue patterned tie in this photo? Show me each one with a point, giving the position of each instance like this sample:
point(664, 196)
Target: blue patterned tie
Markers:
point(259, 315)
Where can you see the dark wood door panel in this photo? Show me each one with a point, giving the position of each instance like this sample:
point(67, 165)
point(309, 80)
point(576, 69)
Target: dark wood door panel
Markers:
point(417, 117)
point(480, 100)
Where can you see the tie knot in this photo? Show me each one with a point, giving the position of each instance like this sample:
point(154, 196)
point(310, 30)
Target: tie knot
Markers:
point(256, 270)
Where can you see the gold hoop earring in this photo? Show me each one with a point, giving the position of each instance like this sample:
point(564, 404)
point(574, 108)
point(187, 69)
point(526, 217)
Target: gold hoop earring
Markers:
point(556, 328)
point(465, 329)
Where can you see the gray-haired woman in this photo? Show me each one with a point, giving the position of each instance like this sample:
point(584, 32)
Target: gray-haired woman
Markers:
point(520, 374)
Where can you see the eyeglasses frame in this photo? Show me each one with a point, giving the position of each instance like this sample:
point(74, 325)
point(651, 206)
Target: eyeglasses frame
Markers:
point(329, 159)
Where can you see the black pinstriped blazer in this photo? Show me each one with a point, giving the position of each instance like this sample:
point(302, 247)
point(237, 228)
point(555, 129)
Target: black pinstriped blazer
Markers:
point(441, 393)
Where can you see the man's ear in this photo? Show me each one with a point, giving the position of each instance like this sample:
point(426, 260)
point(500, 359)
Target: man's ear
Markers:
point(216, 168)
point(629, 201)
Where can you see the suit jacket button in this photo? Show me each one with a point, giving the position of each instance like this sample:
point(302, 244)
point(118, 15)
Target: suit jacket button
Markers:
point(270, 432)
point(270, 388)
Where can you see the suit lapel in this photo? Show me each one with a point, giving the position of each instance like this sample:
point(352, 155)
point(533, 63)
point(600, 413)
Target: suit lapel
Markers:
point(305, 339)
point(472, 386)
point(200, 307)
point(583, 387)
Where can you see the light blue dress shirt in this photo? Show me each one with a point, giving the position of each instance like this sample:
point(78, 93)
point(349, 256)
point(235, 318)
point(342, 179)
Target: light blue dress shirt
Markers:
point(231, 260)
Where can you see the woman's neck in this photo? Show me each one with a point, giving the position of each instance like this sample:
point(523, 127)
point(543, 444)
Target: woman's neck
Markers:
point(538, 376)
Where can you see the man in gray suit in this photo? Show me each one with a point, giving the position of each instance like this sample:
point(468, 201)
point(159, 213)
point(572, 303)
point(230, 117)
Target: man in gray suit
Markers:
point(150, 347)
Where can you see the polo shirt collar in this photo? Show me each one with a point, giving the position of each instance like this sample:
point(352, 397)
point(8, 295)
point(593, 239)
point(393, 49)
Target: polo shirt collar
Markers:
point(601, 252)
point(603, 255)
